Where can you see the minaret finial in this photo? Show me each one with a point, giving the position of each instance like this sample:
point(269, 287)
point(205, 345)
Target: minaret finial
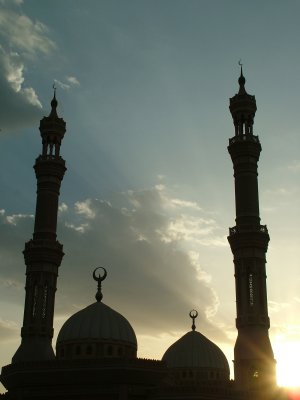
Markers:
point(99, 279)
point(193, 314)
point(54, 101)
point(242, 79)
point(241, 65)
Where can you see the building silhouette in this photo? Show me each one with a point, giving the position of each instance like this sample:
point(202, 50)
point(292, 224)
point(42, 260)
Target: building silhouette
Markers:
point(96, 349)
point(253, 356)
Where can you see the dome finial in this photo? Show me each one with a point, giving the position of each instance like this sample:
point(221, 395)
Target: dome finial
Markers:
point(99, 279)
point(193, 314)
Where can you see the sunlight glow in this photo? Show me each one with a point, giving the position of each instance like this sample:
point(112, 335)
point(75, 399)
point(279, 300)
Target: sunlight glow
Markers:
point(287, 355)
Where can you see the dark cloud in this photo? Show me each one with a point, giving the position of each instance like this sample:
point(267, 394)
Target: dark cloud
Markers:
point(153, 282)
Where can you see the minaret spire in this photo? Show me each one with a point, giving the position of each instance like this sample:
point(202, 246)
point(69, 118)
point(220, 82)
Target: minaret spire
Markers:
point(254, 362)
point(43, 253)
point(54, 104)
point(242, 80)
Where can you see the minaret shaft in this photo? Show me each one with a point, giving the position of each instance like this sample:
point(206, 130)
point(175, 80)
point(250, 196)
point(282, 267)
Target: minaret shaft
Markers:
point(43, 253)
point(245, 156)
point(49, 176)
point(254, 362)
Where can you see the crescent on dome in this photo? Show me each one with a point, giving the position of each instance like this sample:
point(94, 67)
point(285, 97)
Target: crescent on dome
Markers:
point(99, 278)
point(194, 314)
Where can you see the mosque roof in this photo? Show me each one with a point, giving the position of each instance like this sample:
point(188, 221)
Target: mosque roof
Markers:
point(96, 323)
point(194, 350)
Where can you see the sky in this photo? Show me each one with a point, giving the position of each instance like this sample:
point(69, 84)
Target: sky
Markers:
point(144, 88)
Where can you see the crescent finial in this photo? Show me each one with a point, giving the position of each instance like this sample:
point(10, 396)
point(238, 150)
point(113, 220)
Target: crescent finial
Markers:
point(193, 314)
point(99, 279)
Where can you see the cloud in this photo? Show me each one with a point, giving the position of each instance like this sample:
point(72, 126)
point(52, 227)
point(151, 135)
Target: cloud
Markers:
point(71, 81)
point(153, 282)
point(62, 207)
point(11, 2)
point(85, 208)
point(20, 32)
point(275, 307)
point(281, 191)
point(22, 41)
point(124, 235)
point(9, 330)
point(61, 84)
point(20, 106)
point(294, 166)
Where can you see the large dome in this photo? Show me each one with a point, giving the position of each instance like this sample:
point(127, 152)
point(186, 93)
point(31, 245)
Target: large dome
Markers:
point(97, 321)
point(97, 331)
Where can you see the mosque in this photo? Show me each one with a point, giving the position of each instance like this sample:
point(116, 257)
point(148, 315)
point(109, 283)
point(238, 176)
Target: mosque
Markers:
point(96, 348)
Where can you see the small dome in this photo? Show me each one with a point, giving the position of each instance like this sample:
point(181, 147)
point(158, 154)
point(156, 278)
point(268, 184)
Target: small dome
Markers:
point(194, 350)
point(97, 331)
point(195, 360)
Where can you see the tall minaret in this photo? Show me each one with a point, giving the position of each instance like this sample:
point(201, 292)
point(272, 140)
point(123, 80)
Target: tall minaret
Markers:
point(43, 253)
point(254, 363)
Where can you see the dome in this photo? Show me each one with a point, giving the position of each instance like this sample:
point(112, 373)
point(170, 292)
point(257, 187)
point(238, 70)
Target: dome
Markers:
point(194, 350)
point(195, 359)
point(97, 322)
point(97, 331)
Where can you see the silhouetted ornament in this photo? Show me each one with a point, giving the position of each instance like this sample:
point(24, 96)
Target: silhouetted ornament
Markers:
point(193, 314)
point(242, 80)
point(54, 101)
point(99, 279)
point(97, 331)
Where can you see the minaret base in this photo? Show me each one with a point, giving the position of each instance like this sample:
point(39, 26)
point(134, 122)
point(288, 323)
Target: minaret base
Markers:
point(254, 363)
point(34, 349)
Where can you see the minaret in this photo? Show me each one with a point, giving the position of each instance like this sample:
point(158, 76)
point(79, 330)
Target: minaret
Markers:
point(43, 253)
point(254, 364)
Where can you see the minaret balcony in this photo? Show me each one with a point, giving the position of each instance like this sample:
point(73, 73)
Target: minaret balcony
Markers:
point(248, 228)
point(244, 138)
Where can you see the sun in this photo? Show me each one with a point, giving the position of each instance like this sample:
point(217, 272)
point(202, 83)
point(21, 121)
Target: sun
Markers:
point(287, 355)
